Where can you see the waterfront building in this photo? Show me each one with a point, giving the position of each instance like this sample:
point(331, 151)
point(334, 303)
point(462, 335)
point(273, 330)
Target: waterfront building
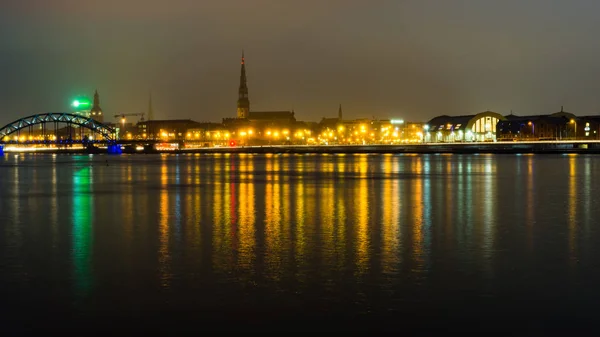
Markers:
point(334, 122)
point(332, 130)
point(480, 127)
point(172, 129)
point(126, 130)
point(589, 127)
point(410, 132)
point(207, 134)
point(356, 131)
point(556, 126)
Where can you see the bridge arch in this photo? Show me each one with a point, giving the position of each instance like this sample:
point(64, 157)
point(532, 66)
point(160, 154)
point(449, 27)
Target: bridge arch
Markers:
point(106, 131)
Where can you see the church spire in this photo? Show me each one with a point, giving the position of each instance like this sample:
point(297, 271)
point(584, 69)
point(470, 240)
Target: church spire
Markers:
point(340, 112)
point(243, 104)
point(96, 98)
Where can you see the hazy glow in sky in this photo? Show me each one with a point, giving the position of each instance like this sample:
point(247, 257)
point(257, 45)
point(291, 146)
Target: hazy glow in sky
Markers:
point(385, 59)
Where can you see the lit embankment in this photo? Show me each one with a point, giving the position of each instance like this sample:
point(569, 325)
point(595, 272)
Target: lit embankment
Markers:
point(582, 147)
point(491, 147)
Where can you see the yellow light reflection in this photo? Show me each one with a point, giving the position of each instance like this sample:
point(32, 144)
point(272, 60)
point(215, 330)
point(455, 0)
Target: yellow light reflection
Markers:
point(247, 218)
point(327, 216)
point(390, 207)
point(224, 230)
point(417, 229)
point(530, 200)
point(308, 215)
point(362, 209)
point(572, 210)
point(164, 254)
point(196, 206)
point(273, 230)
point(301, 214)
point(340, 228)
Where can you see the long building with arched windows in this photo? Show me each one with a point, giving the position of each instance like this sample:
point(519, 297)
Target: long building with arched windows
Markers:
point(468, 128)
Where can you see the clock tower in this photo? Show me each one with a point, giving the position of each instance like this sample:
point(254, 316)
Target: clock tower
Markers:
point(96, 112)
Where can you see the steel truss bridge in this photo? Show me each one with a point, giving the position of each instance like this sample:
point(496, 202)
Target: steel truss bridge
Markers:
point(72, 121)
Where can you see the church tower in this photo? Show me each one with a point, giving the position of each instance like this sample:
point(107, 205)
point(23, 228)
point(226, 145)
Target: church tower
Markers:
point(340, 113)
point(96, 112)
point(243, 104)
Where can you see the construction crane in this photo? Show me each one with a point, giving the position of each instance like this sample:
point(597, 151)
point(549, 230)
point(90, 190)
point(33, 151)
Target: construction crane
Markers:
point(122, 116)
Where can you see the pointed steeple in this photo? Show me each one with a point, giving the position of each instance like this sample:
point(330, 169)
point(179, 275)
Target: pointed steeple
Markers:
point(96, 111)
point(150, 111)
point(243, 84)
point(243, 104)
point(340, 112)
point(96, 99)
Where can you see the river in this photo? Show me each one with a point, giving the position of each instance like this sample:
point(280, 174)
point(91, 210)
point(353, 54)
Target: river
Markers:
point(226, 242)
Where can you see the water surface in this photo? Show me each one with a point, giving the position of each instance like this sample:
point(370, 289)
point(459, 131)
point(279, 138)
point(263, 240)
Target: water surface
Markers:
point(299, 242)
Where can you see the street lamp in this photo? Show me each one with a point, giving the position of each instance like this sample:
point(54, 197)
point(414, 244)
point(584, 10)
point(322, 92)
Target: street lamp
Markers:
point(530, 123)
point(573, 121)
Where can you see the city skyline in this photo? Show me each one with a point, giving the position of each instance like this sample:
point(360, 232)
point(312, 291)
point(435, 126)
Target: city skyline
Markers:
point(377, 60)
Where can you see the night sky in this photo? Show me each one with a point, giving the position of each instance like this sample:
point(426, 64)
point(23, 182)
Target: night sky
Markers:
point(383, 59)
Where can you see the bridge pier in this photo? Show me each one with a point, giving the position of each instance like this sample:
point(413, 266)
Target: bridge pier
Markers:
point(114, 148)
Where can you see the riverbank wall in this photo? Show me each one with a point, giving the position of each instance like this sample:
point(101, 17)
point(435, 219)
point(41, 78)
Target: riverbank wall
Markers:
point(580, 147)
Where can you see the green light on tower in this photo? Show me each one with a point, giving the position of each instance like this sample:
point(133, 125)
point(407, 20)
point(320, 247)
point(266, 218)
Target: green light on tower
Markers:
point(81, 103)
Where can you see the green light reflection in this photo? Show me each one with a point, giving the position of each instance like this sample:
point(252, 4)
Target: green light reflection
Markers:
point(82, 230)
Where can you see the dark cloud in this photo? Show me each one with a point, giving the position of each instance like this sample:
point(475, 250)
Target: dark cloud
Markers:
point(410, 59)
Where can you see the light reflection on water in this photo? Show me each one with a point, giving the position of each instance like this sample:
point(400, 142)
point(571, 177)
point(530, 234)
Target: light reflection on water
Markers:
point(347, 233)
point(83, 227)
